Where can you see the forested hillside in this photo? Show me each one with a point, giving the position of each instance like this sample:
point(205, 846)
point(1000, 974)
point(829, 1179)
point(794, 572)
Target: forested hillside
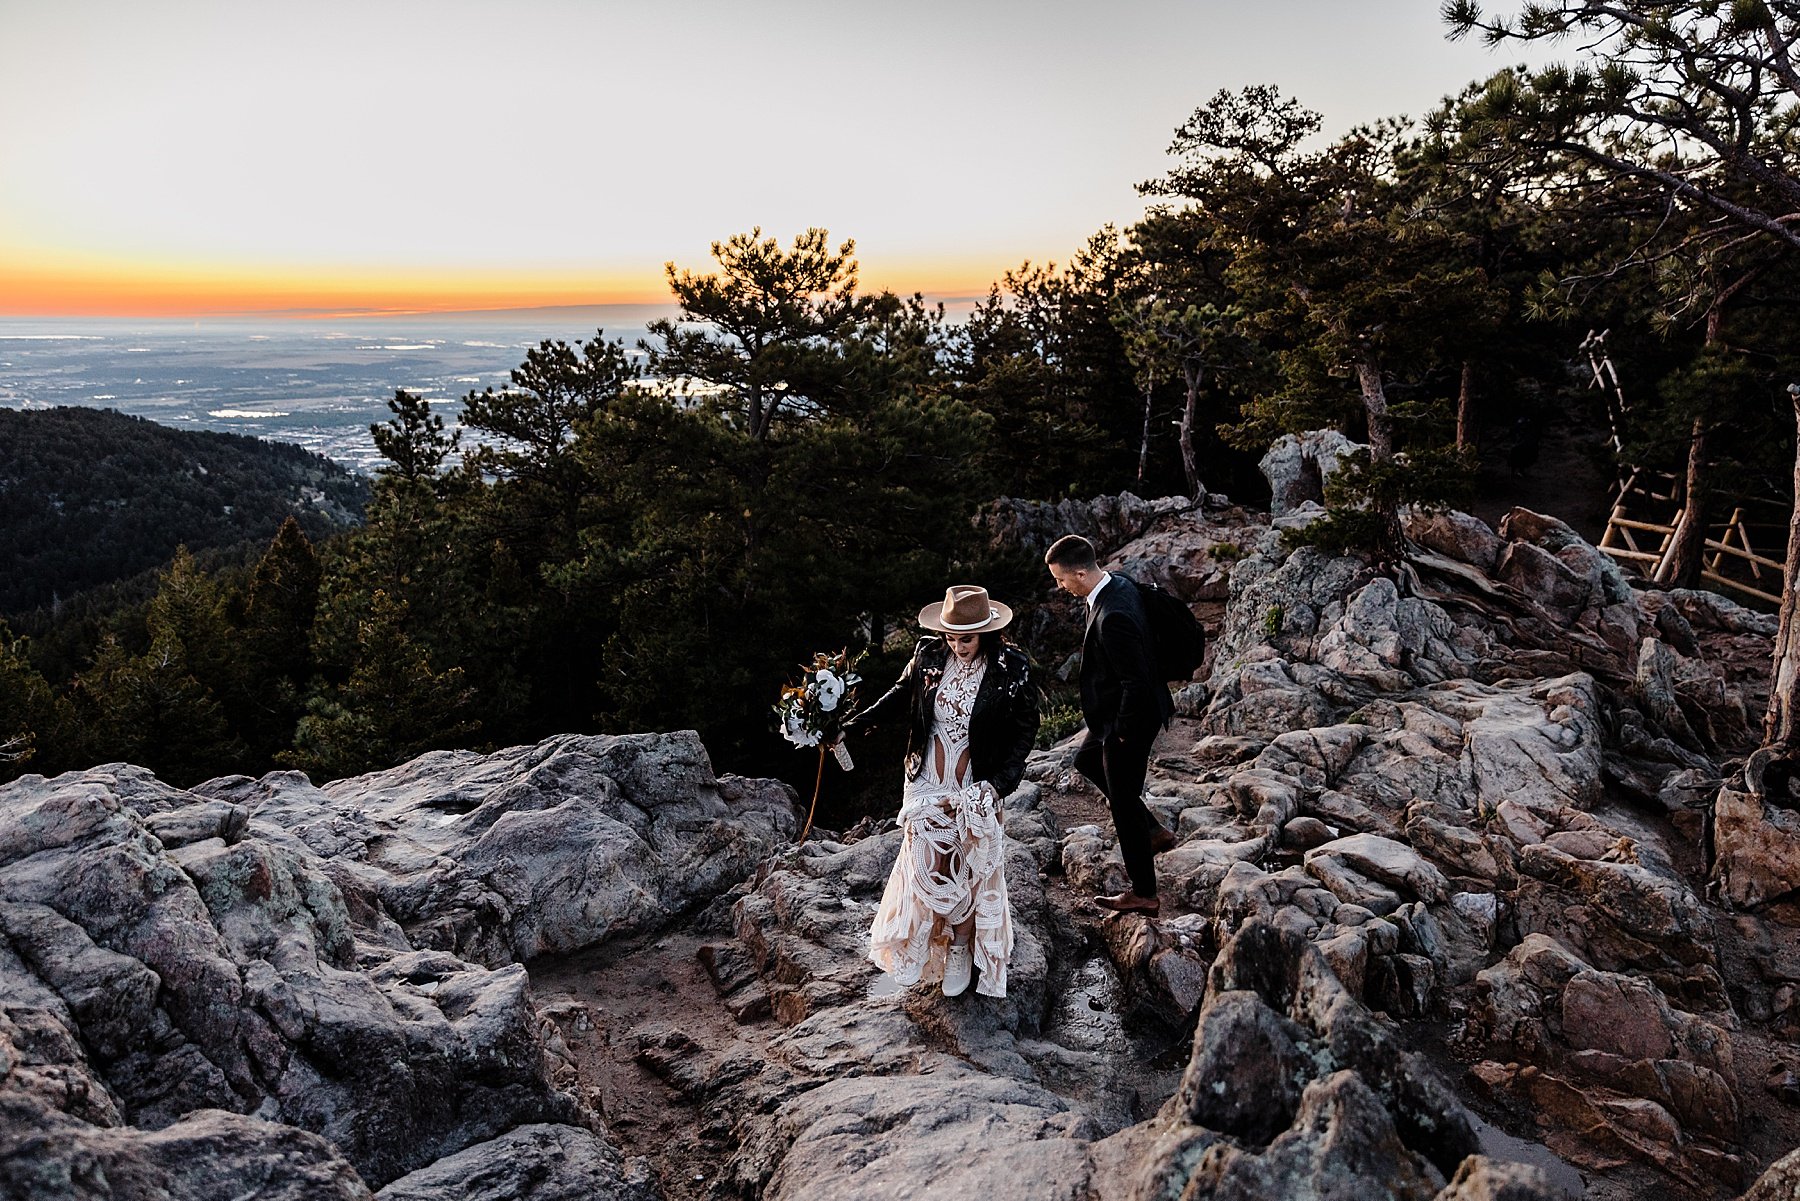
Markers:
point(89, 496)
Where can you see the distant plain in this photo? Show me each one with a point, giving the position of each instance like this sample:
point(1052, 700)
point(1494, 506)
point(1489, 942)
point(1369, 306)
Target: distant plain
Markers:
point(316, 381)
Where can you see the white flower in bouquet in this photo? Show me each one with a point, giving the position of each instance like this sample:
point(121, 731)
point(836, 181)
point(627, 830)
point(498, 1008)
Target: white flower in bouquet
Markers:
point(810, 712)
point(795, 731)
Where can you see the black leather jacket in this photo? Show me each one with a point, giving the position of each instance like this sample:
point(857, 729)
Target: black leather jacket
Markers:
point(1002, 727)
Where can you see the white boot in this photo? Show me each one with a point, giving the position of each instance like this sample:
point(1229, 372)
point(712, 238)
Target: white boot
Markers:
point(957, 970)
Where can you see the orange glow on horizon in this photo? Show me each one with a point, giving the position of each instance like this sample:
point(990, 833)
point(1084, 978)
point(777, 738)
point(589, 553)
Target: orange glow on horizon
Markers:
point(99, 291)
point(108, 290)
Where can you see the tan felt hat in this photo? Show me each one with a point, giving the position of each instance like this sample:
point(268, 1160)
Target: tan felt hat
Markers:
point(966, 610)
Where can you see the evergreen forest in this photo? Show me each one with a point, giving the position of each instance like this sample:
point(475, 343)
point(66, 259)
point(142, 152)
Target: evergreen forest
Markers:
point(92, 496)
point(652, 542)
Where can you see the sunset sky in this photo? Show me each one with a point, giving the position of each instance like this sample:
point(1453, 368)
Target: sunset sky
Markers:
point(189, 156)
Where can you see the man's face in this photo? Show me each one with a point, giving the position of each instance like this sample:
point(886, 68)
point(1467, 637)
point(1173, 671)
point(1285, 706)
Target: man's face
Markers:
point(1076, 582)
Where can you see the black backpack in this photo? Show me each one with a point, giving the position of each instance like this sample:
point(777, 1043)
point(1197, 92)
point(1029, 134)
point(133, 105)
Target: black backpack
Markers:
point(1177, 643)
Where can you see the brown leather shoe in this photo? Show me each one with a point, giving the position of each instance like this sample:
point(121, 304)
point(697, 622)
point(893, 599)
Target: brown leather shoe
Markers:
point(1161, 839)
point(1130, 902)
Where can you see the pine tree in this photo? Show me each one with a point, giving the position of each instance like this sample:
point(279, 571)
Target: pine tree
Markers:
point(1043, 360)
point(1344, 274)
point(1694, 99)
point(1188, 340)
point(35, 725)
point(284, 595)
point(413, 440)
point(415, 544)
point(764, 331)
point(150, 710)
point(393, 707)
point(277, 638)
point(167, 708)
point(554, 391)
point(716, 557)
point(188, 613)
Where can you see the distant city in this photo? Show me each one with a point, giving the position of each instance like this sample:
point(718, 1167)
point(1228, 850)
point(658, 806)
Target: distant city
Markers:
point(317, 382)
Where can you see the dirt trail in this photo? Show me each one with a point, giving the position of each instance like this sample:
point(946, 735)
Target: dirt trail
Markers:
point(617, 1005)
point(616, 1002)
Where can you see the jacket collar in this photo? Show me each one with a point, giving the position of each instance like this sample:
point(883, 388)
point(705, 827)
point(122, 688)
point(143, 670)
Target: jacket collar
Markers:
point(1093, 596)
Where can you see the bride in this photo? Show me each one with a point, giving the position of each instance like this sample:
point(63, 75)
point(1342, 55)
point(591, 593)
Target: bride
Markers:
point(973, 716)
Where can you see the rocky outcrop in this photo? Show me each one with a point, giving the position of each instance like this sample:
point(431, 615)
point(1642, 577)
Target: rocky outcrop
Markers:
point(1297, 467)
point(970, 1134)
point(1028, 527)
point(219, 975)
point(1291, 1086)
point(338, 964)
point(208, 1155)
point(1756, 835)
point(1290, 1081)
point(530, 850)
point(530, 1163)
point(1621, 1070)
point(1406, 781)
point(1442, 867)
point(1780, 1182)
point(1372, 802)
point(1483, 1179)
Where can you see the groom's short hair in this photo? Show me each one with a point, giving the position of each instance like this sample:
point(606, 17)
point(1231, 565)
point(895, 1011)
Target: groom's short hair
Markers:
point(1072, 552)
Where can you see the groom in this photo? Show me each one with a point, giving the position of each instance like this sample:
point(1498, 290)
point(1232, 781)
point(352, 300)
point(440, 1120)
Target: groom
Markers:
point(1124, 705)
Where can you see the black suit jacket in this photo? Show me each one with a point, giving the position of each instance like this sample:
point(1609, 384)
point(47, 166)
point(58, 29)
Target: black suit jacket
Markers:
point(1120, 694)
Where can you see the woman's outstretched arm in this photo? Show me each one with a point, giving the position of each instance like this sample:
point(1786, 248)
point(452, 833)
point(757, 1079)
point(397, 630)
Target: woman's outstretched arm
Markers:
point(888, 703)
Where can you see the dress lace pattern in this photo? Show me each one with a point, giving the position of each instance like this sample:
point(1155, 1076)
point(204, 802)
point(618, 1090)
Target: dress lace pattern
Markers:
point(952, 857)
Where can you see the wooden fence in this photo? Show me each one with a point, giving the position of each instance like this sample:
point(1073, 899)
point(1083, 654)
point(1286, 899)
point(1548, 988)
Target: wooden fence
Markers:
point(1648, 508)
point(1734, 557)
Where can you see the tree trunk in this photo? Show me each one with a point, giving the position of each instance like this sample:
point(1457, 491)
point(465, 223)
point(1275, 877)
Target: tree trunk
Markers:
point(1381, 426)
point(1681, 567)
point(758, 420)
point(1781, 729)
point(1465, 407)
point(1190, 461)
point(1144, 442)
point(1687, 547)
point(1381, 452)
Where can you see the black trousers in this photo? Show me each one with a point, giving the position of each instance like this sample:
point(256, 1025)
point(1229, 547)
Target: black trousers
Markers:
point(1116, 767)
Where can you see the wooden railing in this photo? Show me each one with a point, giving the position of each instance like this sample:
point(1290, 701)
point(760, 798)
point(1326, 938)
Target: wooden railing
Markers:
point(1731, 559)
point(1765, 573)
point(1642, 494)
point(1637, 491)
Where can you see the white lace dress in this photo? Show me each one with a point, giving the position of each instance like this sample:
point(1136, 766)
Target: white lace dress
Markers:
point(952, 859)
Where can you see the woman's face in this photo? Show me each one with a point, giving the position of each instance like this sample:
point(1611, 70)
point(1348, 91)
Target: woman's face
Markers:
point(964, 646)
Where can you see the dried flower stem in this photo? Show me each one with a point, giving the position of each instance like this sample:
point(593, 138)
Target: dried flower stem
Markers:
point(812, 808)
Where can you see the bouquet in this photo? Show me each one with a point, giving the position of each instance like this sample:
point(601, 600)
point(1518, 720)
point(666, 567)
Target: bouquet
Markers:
point(811, 712)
